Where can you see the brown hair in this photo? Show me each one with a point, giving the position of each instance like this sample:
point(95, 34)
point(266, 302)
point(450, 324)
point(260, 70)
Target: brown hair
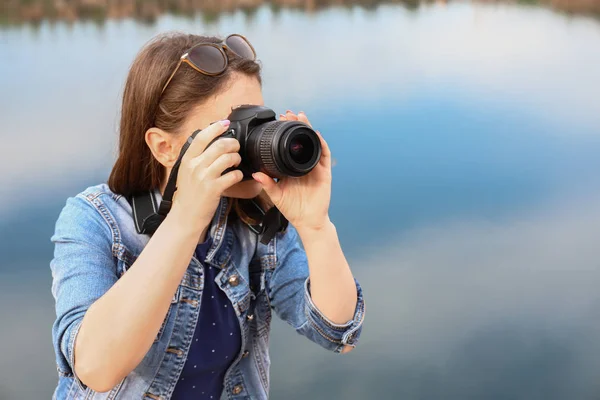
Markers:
point(136, 170)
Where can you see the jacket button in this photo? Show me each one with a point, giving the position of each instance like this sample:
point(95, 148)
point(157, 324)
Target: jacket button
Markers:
point(246, 354)
point(250, 317)
point(175, 351)
point(237, 389)
point(234, 280)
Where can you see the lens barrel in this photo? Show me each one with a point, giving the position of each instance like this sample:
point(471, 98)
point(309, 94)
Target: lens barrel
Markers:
point(283, 148)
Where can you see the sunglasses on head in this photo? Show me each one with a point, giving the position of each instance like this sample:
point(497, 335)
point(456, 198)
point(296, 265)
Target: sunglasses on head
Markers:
point(211, 59)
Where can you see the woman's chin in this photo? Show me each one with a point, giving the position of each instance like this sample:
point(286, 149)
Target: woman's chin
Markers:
point(244, 190)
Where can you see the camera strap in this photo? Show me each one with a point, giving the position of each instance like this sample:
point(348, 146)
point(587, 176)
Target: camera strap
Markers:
point(146, 214)
point(274, 222)
point(147, 217)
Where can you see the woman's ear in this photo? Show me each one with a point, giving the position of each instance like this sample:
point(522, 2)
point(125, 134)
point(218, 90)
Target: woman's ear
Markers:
point(165, 147)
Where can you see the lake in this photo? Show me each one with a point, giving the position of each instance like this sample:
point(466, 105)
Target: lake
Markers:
point(465, 192)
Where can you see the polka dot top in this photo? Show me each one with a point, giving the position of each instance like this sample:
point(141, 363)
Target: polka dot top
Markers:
point(216, 342)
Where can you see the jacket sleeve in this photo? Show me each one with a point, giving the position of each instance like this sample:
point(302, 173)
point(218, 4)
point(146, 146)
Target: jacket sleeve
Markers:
point(289, 294)
point(83, 269)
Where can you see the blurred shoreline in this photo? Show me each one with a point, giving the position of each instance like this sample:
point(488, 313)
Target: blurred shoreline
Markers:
point(18, 12)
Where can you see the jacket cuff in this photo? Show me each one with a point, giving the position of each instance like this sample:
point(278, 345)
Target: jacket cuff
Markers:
point(69, 350)
point(345, 334)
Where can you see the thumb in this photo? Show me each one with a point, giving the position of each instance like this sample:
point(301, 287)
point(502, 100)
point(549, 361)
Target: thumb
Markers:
point(269, 186)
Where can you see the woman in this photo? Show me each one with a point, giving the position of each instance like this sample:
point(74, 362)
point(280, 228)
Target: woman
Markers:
point(185, 313)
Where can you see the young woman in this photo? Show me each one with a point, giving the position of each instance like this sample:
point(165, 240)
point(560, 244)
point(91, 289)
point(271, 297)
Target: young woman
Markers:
point(185, 313)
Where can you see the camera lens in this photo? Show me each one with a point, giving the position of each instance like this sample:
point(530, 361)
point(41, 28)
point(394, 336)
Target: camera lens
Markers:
point(283, 148)
point(301, 149)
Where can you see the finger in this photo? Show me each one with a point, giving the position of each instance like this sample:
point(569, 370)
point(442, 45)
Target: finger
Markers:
point(229, 179)
point(290, 116)
point(325, 151)
point(203, 138)
point(269, 186)
point(222, 163)
point(302, 118)
point(282, 117)
point(214, 151)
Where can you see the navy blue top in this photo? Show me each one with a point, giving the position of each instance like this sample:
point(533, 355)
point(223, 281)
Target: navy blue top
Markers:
point(216, 342)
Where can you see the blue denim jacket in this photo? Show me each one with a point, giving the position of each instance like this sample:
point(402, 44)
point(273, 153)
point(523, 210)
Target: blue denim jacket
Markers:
point(96, 242)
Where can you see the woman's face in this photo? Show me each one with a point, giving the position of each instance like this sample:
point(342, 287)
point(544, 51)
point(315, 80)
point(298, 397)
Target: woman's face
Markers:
point(239, 91)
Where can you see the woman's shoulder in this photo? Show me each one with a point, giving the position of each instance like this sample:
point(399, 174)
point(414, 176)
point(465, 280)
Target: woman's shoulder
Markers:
point(99, 198)
point(101, 192)
point(95, 210)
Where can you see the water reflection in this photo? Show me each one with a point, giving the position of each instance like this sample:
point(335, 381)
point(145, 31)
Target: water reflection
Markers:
point(466, 190)
point(473, 310)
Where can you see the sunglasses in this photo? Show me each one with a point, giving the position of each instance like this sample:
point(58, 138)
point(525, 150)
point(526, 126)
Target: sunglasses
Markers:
point(211, 59)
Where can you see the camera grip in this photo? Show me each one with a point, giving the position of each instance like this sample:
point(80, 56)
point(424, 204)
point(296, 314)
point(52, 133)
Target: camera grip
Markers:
point(227, 134)
point(230, 133)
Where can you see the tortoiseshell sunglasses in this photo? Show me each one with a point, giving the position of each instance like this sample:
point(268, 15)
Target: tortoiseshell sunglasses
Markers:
point(211, 59)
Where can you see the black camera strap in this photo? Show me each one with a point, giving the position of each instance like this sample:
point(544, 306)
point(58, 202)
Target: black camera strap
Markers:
point(274, 222)
point(145, 213)
point(148, 218)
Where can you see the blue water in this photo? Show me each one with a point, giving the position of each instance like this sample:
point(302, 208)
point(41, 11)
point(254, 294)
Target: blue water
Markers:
point(466, 190)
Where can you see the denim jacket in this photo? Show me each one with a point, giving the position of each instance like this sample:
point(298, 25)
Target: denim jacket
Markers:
point(95, 244)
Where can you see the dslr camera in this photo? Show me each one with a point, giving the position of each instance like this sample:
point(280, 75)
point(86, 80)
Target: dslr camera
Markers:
point(277, 148)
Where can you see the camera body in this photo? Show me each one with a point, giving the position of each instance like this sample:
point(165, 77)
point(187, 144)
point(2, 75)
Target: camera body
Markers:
point(276, 148)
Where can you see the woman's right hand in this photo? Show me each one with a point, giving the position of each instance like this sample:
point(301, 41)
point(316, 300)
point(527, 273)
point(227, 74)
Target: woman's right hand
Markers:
point(200, 183)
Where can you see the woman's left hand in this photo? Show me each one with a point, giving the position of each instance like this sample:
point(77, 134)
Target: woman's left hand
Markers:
point(304, 200)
